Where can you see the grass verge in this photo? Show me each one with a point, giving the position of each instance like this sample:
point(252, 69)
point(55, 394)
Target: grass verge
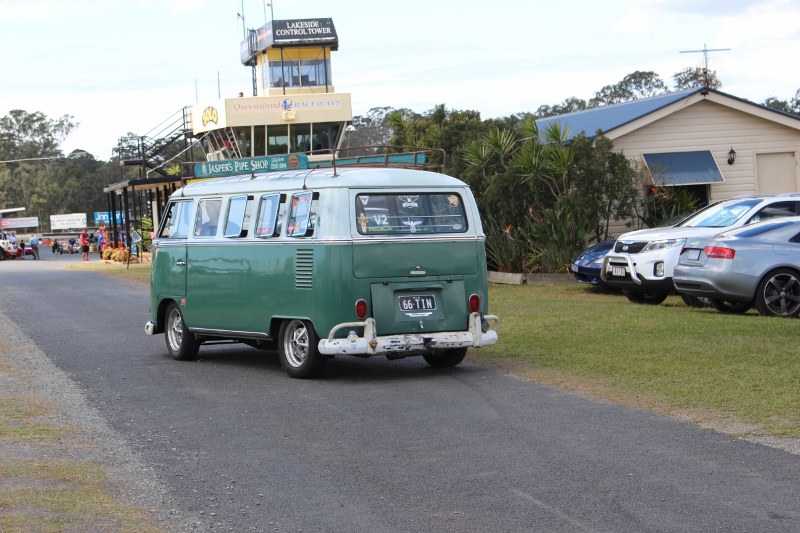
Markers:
point(734, 371)
point(49, 481)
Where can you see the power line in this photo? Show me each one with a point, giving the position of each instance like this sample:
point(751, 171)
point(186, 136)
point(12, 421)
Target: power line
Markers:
point(30, 159)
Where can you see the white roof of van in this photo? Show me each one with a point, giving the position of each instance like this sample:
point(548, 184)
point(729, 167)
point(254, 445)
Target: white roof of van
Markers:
point(321, 178)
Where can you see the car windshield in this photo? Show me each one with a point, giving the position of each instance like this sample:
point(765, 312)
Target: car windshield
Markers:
point(720, 215)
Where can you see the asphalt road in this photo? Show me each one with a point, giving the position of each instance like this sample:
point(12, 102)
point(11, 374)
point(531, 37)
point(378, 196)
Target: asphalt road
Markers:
point(384, 446)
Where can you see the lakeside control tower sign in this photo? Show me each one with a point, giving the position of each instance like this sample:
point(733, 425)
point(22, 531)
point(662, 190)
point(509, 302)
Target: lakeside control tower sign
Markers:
point(247, 165)
point(279, 33)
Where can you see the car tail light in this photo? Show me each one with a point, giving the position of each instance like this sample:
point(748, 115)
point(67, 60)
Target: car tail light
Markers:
point(718, 252)
point(474, 303)
point(361, 309)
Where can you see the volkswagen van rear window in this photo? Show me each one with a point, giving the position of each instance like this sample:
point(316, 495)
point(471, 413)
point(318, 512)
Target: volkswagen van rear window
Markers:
point(410, 214)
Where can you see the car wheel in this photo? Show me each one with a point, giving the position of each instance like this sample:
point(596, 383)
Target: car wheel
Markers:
point(649, 298)
point(778, 294)
point(445, 358)
point(734, 308)
point(181, 343)
point(696, 301)
point(298, 349)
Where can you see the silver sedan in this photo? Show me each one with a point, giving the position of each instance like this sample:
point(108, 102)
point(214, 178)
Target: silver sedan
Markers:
point(756, 265)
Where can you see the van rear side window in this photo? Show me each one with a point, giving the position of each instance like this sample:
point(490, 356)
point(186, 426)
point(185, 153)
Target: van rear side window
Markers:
point(410, 213)
point(267, 224)
point(238, 218)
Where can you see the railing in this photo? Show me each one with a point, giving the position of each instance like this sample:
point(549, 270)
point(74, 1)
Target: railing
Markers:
point(385, 156)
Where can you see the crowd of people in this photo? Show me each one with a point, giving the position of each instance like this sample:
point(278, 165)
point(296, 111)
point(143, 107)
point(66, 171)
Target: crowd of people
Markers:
point(83, 243)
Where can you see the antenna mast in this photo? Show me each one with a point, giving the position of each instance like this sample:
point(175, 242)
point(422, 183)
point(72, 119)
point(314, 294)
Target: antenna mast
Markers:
point(705, 52)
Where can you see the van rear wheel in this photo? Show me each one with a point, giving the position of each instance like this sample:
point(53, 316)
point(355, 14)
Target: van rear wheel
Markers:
point(445, 358)
point(181, 343)
point(298, 349)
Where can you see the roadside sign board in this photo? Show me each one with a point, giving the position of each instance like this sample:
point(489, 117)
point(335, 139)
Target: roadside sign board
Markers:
point(69, 221)
point(20, 222)
point(104, 217)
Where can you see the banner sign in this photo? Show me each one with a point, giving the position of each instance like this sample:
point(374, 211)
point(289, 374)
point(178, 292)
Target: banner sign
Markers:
point(22, 222)
point(248, 165)
point(283, 32)
point(104, 217)
point(70, 221)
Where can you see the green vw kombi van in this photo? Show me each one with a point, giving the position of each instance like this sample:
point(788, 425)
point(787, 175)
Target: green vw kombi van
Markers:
point(320, 262)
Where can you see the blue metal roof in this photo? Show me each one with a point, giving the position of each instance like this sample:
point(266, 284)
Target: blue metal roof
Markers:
point(683, 168)
point(613, 116)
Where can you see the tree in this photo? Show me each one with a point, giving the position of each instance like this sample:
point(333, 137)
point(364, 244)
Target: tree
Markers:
point(789, 106)
point(696, 77)
point(370, 129)
point(636, 85)
point(570, 105)
point(30, 135)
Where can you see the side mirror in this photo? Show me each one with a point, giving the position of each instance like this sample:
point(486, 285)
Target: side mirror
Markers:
point(136, 237)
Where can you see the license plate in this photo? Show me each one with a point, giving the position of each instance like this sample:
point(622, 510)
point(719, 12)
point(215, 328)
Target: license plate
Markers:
point(417, 302)
point(693, 255)
point(618, 271)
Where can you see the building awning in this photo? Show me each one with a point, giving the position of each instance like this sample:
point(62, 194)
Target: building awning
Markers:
point(683, 168)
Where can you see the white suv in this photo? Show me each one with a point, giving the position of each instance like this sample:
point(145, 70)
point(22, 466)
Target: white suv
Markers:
point(642, 262)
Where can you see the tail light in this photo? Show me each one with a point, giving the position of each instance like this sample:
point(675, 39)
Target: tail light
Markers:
point(474, 303)
point(361, 309)
point(718, 252)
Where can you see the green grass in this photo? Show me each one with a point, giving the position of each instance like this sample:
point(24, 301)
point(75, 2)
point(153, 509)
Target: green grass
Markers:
point(697, 362)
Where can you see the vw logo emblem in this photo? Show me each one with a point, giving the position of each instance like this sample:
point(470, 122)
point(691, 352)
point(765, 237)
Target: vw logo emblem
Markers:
point(625, 248)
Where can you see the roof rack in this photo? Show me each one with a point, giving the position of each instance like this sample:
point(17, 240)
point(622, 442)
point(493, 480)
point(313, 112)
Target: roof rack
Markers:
point(382, 156)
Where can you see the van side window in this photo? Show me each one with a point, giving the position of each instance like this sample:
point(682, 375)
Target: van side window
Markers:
point(238, 218)
point(267, 224)
point(301, 217)
point(207, 218)
point(410, 213)
point(177, 221)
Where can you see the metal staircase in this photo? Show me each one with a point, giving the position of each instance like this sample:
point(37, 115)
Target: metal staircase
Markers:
point(164, 143)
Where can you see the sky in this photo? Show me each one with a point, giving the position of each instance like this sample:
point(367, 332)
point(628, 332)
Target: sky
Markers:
point(120, 67)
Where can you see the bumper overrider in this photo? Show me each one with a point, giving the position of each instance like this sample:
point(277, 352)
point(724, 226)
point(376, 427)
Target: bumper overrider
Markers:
point(482, 331)
point(631, 280)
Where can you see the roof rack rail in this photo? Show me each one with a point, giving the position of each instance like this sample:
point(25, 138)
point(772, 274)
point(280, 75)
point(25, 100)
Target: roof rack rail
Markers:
point(783, 194)
point(382, 156)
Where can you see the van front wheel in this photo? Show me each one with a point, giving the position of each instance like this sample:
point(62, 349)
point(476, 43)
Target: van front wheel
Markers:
point(181, 343)
point(298, 349)
point(445, 358)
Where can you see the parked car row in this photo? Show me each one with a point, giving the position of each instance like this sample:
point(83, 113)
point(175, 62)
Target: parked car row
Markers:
point(732, 255)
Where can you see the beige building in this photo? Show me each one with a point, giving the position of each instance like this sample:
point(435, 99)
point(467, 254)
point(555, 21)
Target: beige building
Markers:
point(715, 144)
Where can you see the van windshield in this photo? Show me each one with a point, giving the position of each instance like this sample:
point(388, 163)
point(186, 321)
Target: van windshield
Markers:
point(410, 213)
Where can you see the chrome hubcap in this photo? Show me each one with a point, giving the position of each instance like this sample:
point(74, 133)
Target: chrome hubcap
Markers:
point(295, 343)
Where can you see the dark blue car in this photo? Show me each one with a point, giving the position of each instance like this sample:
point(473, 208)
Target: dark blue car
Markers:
point(586, 268)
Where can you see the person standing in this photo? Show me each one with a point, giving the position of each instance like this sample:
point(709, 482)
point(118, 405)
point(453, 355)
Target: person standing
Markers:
point(84, 238)
point(34, 242)
point(101, 239)
point(22, 248)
